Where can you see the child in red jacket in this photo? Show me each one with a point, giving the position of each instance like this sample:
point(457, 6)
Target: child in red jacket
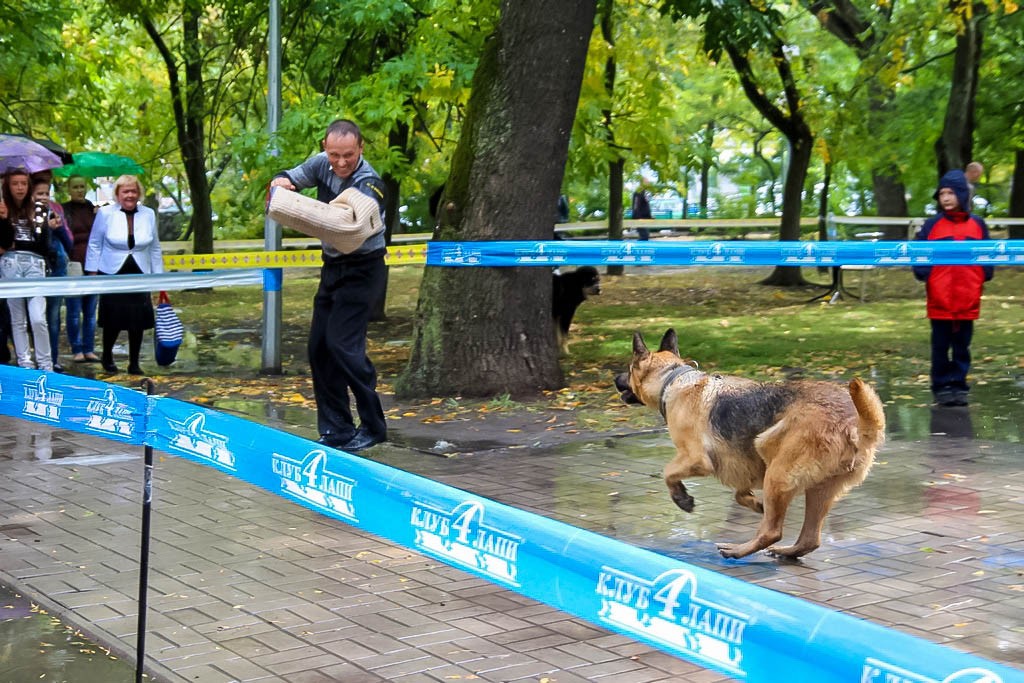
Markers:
point(954, 292)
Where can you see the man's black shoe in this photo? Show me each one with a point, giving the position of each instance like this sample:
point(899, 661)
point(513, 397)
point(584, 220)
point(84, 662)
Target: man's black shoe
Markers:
point(109, 366)
point(363, 440)
point(334, 440)
point(135, 370)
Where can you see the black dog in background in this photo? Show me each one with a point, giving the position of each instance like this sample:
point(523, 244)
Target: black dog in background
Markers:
point(570, 290)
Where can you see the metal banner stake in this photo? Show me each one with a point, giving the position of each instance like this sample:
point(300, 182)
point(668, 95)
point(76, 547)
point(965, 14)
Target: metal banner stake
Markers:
point(147, 502)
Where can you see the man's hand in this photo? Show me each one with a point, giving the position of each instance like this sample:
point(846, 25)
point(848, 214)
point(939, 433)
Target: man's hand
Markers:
point(3, 208)
point(283, 182)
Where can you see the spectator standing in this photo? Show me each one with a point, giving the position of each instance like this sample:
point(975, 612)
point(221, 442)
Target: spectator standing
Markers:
point(57, 261)
point(124, 241)
point(562, 215)
point(642, 208)
point(953, 292)
point(80, 213)
point(5, 312)
point(349, 285)
point(5, 333)
point(25, 238)
point(973, 172)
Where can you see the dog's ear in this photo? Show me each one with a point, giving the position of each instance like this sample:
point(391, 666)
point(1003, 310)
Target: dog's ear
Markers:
point(639, 348)
point(670, 342)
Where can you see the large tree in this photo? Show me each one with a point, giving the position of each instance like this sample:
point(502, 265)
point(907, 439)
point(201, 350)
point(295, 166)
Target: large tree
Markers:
point(617, 162)
point(868, 31)
point(211, 52)
point(747, 31)
point(955, 147)
point(487, 331)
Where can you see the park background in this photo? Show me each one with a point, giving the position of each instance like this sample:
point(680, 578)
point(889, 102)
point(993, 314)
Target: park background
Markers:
point(770, 103)
point(780, 110)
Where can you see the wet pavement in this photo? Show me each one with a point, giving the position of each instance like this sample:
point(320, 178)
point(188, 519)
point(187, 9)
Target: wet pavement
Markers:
point(247, 586)
point(39, 647)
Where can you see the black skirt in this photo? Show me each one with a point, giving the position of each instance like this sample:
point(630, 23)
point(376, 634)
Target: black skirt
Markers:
point(127, 311)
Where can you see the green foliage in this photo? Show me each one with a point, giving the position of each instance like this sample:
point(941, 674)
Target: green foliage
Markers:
point(88, 76)
point(409, 66)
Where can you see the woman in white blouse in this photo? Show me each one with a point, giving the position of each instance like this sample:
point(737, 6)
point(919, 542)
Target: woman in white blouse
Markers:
point(124, 241)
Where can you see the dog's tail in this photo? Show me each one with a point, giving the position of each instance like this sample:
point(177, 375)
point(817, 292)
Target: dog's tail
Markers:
point(871, 416)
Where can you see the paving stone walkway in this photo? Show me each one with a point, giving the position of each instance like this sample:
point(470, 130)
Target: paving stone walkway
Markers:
point(246, 586)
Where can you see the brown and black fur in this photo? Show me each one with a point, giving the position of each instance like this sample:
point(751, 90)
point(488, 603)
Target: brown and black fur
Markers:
point(569, 290)
point(787, 438)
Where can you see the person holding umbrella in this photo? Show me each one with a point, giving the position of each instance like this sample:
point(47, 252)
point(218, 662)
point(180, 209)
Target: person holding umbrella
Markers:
point(23, 155)
point(25, 239)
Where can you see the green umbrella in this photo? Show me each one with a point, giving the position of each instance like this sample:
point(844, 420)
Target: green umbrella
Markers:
point(99, 164)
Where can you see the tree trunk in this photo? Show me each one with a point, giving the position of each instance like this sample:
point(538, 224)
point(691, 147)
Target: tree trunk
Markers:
point(397, 137)
point(823, 203)
point(889, 191)
point(1017, 194)
point(617, 165)
point(193, 147)
point(616, 170)
point(861, 31)
point(826, 184)
point(790, 123)
point(188, 104)
point(707, 154)
point(890, 200)
point(488, 331)
point(800, 148)
point(954, 148)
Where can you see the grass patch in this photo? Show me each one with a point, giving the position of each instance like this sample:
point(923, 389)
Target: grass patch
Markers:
point(725, 320)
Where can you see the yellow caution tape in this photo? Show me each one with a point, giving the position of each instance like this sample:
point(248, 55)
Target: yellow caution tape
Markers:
point(404, 255)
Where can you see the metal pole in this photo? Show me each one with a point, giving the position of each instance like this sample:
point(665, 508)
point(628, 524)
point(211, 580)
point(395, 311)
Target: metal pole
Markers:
point(272, 231)
point(147, 502)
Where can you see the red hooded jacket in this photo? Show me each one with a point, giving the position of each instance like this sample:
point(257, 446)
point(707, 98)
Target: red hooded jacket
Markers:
point(954, 292)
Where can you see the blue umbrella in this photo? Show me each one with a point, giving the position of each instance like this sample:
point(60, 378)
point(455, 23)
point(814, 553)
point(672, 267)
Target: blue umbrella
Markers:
point(17, 152)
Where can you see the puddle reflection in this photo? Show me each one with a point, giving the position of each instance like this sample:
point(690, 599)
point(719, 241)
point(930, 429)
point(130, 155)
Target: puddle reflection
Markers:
point(35, 646)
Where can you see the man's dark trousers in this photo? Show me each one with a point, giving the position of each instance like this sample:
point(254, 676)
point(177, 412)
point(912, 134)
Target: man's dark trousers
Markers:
point(946, 373)
point(349, 285)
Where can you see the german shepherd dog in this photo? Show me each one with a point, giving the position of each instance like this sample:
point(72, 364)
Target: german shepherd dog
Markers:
point(785, 438)
point(568, 291)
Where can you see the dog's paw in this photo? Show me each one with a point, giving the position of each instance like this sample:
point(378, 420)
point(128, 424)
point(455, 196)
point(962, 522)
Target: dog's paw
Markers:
point(789, 552)
point(683, 499)
point(729, 550)
point(748, 500)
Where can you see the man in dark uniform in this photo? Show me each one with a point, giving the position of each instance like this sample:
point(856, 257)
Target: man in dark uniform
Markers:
point(349, 284)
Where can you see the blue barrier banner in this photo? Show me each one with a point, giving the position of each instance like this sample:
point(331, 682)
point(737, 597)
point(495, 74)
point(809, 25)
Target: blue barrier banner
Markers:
point(75, 403)
point(725, 253)
point(746, 631)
